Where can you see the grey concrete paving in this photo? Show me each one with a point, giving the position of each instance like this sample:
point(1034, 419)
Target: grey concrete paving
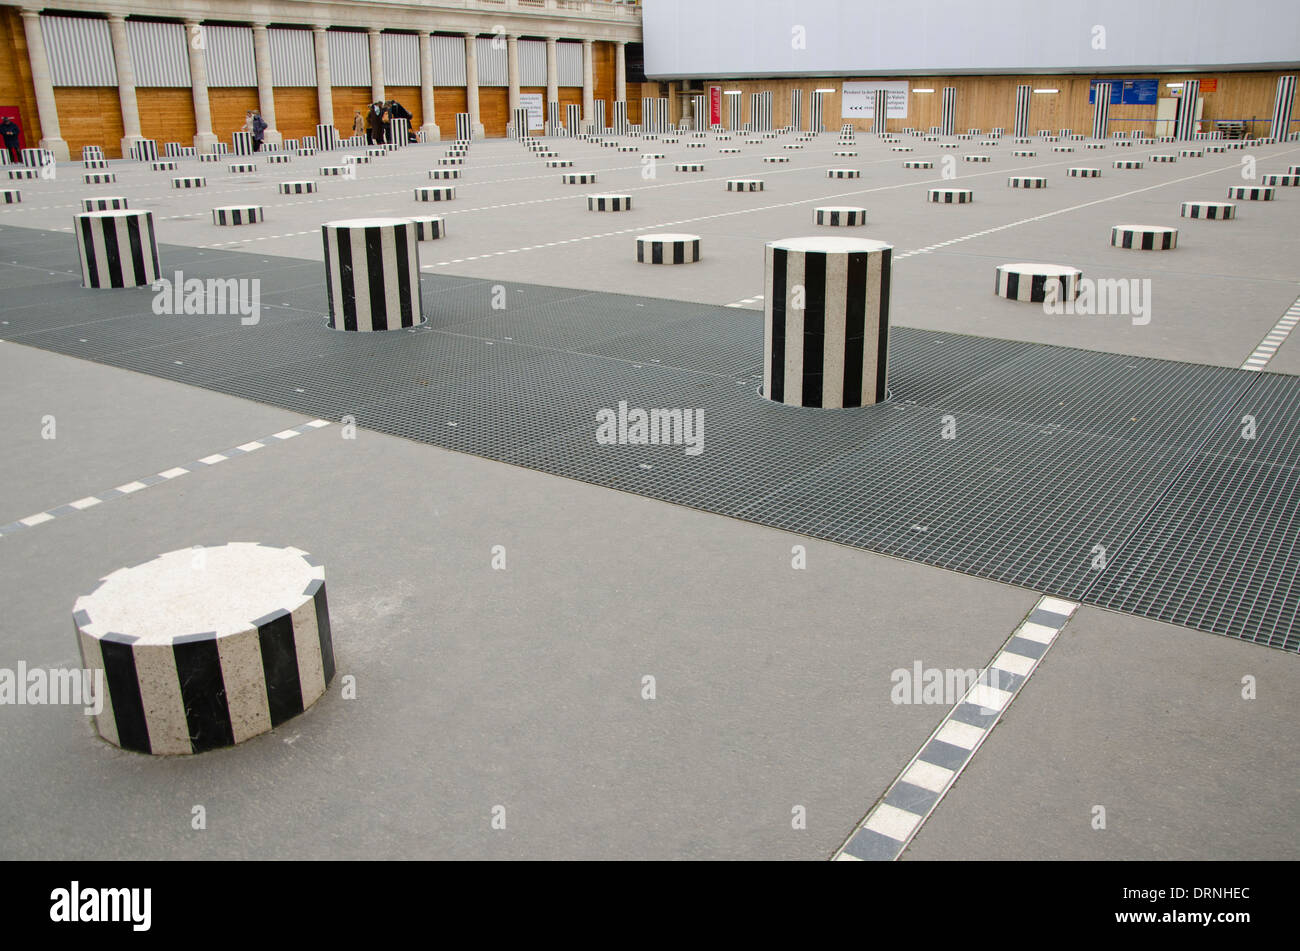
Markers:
point(1140, 718)
point(479, 687)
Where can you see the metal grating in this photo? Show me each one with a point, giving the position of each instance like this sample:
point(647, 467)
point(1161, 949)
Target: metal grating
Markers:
point(1058, 450)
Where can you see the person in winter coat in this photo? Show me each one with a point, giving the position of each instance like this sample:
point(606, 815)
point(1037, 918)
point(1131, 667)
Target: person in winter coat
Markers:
point(9, 132)
point(358, 124)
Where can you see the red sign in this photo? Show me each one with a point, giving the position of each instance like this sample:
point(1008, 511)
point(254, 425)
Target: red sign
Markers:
point(715, 105)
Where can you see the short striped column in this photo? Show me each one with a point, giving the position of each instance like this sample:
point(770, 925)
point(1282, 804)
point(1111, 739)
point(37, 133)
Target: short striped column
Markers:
point(435, 192)
point(399, 131)
point(950, 196)
point(1162, 159)
point(306, 151)
point(241, 143)
point(372, 273)
point(237, 215)
point(164, 165)
point(99, 178)
point(35, 158)
point(189, 181)
point(23, 174)
point(668, 248)
point(1023, 153)
point(578, 178)
point(94, 163)
point(203, 648)
point(429, 227)
point(1084, 172)
point(1144, 237)
point(111, 203)
point(568, 163)
point(1127, 163)
point(688, 166)
point(840, 217)
point(1250, 193)
point(776, 159)
point(117, 248)
point(144, 150)
point(1279, 180)
point(10, 196)
point(1212, 210)
point(918, 163)
point(1191, 153)
point(296, 188)
point(327, 138)
point(443, 174)
point(279, 158)
point(1026, 181)
point(91, 152)
point(826, 321)
point(975, 158)
point(609, 202)
point(1033, 282)
point(744, 184)
point(242, 168)
point(843, 173)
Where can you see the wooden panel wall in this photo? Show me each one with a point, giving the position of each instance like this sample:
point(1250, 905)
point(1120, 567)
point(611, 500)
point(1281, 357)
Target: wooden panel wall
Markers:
point(447, 101)
point(296, 111)
point(90, 115)
point(409, 96)
point(228, 106)
point(16, 76)
point(348, 100)
point(166, 115)
point(984, 102)
point(493, 107)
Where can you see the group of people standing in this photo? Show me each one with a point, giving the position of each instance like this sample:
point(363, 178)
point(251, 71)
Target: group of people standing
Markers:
point(376, 125)
point(254, 123)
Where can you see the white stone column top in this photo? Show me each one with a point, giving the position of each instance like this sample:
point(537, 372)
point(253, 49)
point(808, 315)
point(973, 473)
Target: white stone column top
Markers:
point(829, 245)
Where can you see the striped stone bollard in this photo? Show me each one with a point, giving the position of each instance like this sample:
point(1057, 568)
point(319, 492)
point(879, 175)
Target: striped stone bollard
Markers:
point(1144, 237)
point(94, 163)
point(211, 157)
point(10, 196)
point(242, 168)
point(99, 178)
point(435, 192)
point(165, 165)
point(826, 321)
point(1162, 158)
point(840, 216)
point(1212, 210)
point(1084, 172)
point(975, 158)
point(107, 203)
point(578, 178)
point(443, 174)
point(1033, 282)
point(1279, 180)
point(296, 188)
point(609, 202)
point(1026, 181)
point(843, 173)
point(241, 143)
point(744, 184)
point(919, 163)
point(1023, 153)
point(1126, 163)
point(237, 215)
point(950, 196)
point(23, 174)
point(429, 227)
point(668, 248)
point(1250, 193)
point(189, 181)
point(265, 653)
point(372, 273)
point(117, 248)
point(279, 158)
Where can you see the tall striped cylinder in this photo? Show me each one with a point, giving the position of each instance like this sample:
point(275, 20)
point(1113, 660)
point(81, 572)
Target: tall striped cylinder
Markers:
point(815, 112)
point(327, 137)
point(700, 114)
point(880, 114)
point(620, 116)
point(1101, 110)
point(796, 110)
point(144, 150)
point(1020, 127)
point(264, 654)
point(1282, 106)
point(400, 130)
point(372, 273)
point(1185, 125)
point(464, 128)
point(760, 111)
point(949, 120)
point(519, 124)
point(826, 321)
point(241, 143)
point(553, 124)
point(598, 116)
point(36, 158)
point(117, 248)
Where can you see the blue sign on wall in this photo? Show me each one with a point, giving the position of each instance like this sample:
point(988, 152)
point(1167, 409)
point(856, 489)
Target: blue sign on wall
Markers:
point(1128, 92)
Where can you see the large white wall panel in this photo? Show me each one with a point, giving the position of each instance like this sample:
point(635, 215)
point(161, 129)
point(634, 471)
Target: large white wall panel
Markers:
point(293, 57)
point(349, 58)
point(159, 53)
point(448, 60)
point(230, 56)
point(80, 51)
point(725, 38)
point(401, 59)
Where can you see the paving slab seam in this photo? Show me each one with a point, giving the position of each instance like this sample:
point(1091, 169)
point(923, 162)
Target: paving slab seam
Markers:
point(896, 818)
point(129, 488)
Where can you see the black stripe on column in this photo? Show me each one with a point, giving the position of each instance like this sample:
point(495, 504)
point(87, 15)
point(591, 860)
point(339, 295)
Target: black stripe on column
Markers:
point(777, 360)
point(855, 320)
point(329, 274)
point(347, 277)
point(814, 328)
point(88, 247)
point(374, 238)
point(124, 691)
point(882, 346)
point(137, 249)
point(203, 691)
point(113, 254)
point(402, 240)
point(1038, 287)
point(316, 590)
point(280, 666)
point(1013, 285)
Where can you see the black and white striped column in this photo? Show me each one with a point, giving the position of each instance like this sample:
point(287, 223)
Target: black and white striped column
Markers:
point(1185, 125)
point(144, 150)
point(815, 112)
point(327, 137)
point(265, 653)
point(760, 111)
point(400, 132)
point(733, 113)
point(108, 203)
point(1212, 210)
point(609, 202)
point(553, 124)
point(1282, 106)
point(648, 114)
point(37, 158)
point(826, 321)
point(241, 143)
point(464, 128)
point(1144, 237)
point(1031, 282)
point(519, 124)
point(668, 248)
point(372, 273)
point(949, 121)
point(880, 123)
point(598, 116)
point(1024, 95)
point(228, 215)
point(620, 116)
point(796, 109)
point(1101, 110)
point(117, 248)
